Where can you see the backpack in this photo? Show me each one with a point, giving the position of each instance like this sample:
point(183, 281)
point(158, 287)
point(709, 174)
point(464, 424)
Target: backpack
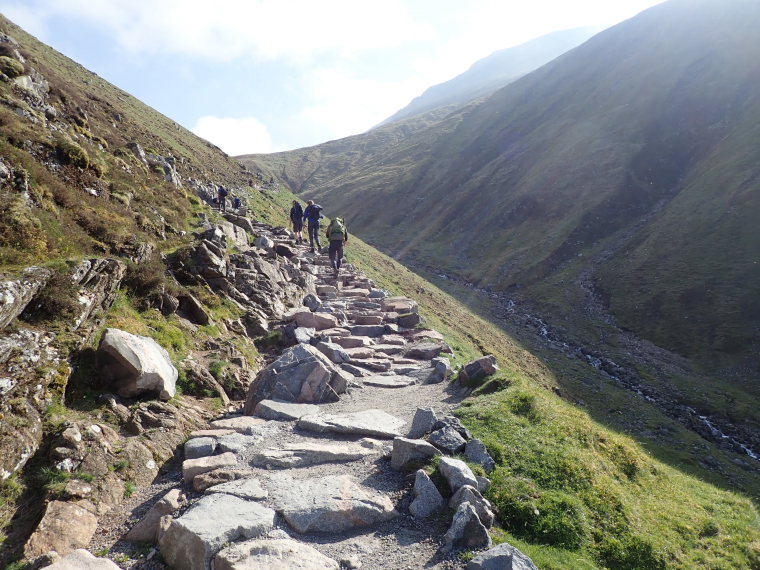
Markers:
point(222, 191)
point(315, 212)
point(336, 230)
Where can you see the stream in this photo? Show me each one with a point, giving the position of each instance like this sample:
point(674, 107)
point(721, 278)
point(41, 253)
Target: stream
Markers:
point(518, 319)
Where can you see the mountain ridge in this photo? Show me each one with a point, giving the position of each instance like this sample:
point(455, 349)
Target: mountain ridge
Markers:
point(583, 165)
point(493, 72)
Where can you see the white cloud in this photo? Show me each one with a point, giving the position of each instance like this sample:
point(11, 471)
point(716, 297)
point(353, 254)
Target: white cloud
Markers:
point(342, 103)
point(235, 136)
point(296, 30)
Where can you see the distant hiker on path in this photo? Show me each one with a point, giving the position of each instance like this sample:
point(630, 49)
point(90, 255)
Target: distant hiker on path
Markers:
point(313, 213)
point(221, 196)
point(296, 218)
point(338, 236)
point(236, 202)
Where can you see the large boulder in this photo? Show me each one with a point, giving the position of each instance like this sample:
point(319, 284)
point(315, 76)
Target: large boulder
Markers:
point(216, 519)
point(476, 451)
point(64, 527)
point(427, 498)
point(302, 374)
point(406, 451)
point(457, 473)
point(478, 369)
point(136, 365)
point(319, 321)
point(466, 530)
point(468, 494)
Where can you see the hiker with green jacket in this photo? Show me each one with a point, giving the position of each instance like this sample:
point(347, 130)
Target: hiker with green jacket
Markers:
point(338, 236)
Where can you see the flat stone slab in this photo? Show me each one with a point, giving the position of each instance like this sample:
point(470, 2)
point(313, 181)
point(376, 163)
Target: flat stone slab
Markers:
point(426, 334)
point(373, 423)
point(329, 504)
point(215, 433)
point(352, 341)
point(394, 339)
point(240, 424)
point(193, 539)
point(283, 411)
point(238, 442)
point(277, 554)
point(376, 364)
point(388, 349)
point(193, 467)
point(249, 489)
point(307, 453)
point(81, 559)
point(389, 381)
point(360, 352)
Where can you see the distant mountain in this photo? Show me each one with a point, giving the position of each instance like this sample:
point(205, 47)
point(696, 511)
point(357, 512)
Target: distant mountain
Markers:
point(495, 71)
point(628, 168)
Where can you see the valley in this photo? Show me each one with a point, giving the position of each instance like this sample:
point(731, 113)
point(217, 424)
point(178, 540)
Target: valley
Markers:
point(628, 364)
point(580, 246)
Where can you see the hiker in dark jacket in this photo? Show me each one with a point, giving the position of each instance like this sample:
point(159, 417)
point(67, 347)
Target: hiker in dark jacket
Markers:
point(221, 195)
point(312, 214)
point(338, 236)
point(296, 218)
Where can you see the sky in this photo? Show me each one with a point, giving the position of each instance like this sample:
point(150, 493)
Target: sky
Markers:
point(260, 76)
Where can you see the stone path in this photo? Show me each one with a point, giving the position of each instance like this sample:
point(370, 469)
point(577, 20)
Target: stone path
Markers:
point(320, 473)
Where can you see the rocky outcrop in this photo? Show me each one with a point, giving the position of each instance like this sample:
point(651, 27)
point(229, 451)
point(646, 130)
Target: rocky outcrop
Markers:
point(33, 369)
point(17, 293)
point(302, 374)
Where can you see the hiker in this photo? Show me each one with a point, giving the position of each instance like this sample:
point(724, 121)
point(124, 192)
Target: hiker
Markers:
point(296, 218)
point(312, 214)
point(221, 196)
point(236, 202)
point(338, 236)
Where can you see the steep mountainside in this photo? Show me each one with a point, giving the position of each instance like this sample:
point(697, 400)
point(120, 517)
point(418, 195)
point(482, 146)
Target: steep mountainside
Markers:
point(629, 164)
point(132, 312)
point(494, 72)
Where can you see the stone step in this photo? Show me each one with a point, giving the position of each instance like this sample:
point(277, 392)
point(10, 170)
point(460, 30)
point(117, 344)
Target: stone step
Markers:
point(374, 364)
point(372, 423)
point(192, 540)
point(275, 554)
point(283, 411)
point(329, 504)
point(394, 381)
point(306, 453)
point(349, 341)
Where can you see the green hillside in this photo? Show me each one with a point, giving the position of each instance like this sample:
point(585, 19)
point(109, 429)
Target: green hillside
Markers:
point(602, 482)
point(627, 168)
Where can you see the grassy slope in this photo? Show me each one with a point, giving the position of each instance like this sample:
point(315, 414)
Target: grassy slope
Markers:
point(601, 492)
point(527, 428)
point(61, 222)
point(650, 120)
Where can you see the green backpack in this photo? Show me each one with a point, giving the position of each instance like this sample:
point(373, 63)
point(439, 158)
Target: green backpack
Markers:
point(337, 229)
